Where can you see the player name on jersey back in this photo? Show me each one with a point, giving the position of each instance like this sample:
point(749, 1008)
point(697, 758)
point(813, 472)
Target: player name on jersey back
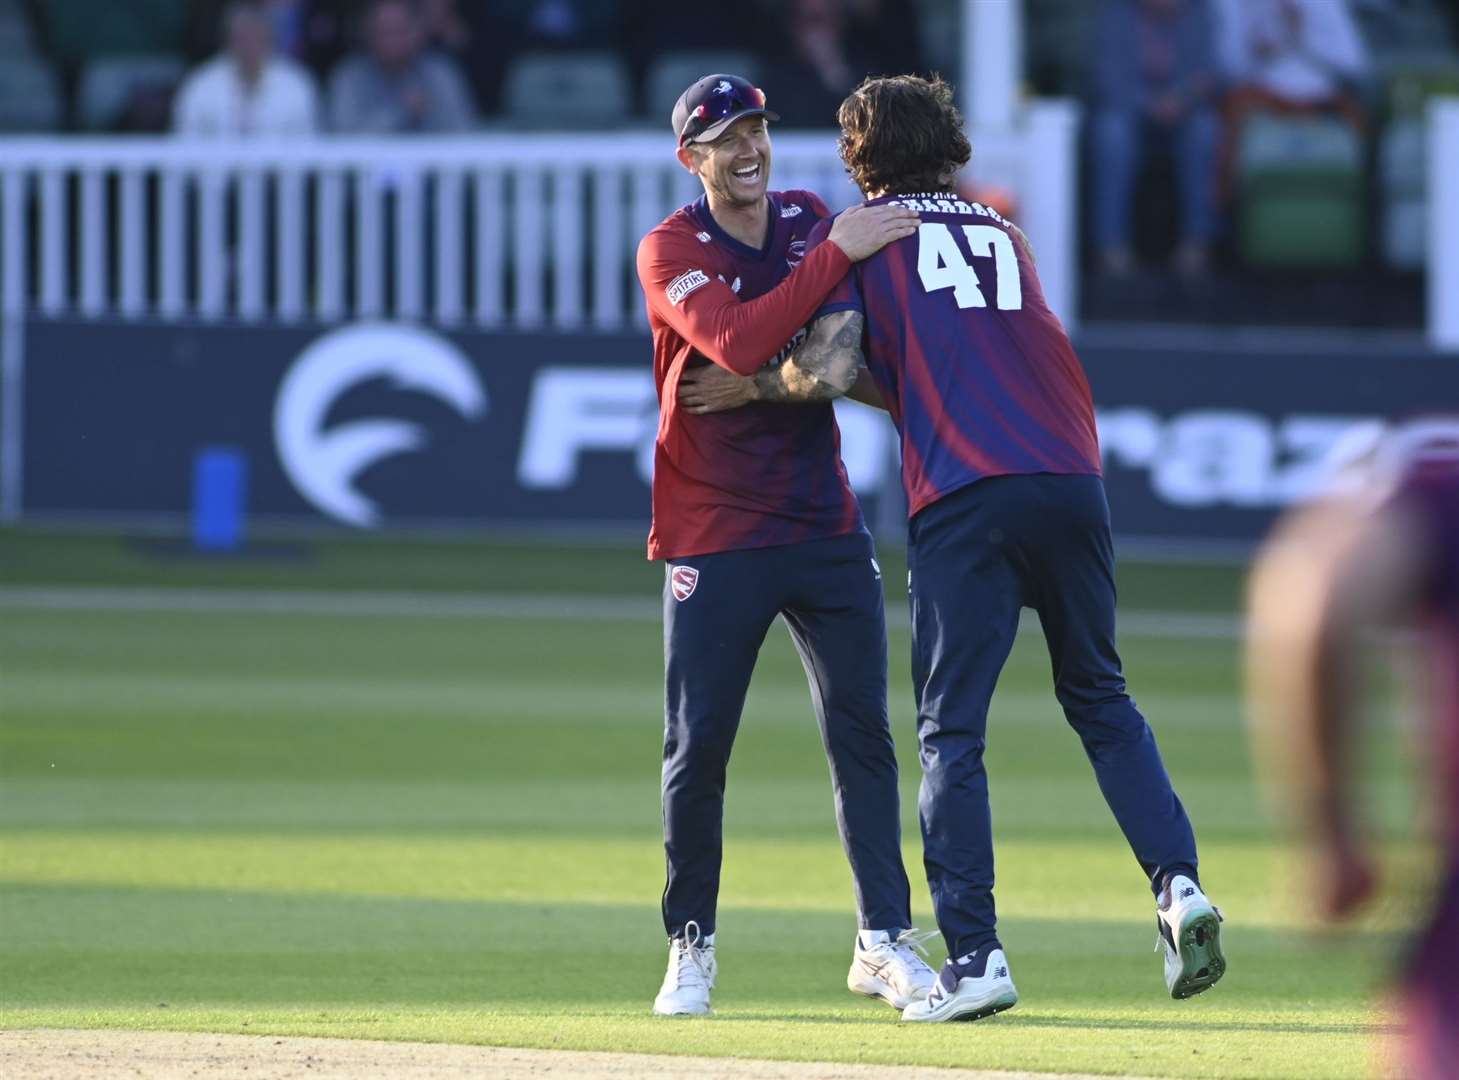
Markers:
point(934, 203)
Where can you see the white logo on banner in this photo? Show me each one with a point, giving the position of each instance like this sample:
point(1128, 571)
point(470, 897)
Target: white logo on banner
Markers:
point(323, 462)
point(1204, 458)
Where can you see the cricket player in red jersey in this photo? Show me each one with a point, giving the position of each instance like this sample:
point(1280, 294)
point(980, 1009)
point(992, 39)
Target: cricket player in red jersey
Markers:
point(1335, 570)
point(1001, 465)
point(754, 518)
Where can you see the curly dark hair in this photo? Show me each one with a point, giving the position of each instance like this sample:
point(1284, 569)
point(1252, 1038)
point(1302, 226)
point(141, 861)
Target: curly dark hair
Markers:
point(901, 134)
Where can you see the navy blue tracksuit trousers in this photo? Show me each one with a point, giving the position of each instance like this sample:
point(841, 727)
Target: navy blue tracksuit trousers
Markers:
point(977, 557)
point(717, 610)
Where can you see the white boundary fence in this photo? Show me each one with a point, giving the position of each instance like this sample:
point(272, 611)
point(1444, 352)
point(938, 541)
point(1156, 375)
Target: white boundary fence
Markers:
point(527, 231)
point(1444, 224)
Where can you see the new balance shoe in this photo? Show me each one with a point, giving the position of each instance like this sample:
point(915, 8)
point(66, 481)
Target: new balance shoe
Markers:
point(968, 988)
point(886, 965)
point(690, 977)
point(1190, 934)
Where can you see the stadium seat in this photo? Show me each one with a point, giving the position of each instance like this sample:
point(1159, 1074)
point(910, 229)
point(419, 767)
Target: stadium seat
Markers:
point(1402, 167)
point(671, 72)
point(108, 84)
point(577, 91)
point(30, 99)
point(1300, 193)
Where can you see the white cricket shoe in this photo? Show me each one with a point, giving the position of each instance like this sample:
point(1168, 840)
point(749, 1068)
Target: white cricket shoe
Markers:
point(968, 988)
point(1190, 934)
point(886, 965)
point(690, 977)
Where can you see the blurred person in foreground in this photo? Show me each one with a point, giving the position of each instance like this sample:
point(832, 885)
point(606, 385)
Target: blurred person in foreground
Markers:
point(1155, 84)
point(754, 519)
point(1007, 510)
point(1332, 572)
point(248, 89)
point(395, 86)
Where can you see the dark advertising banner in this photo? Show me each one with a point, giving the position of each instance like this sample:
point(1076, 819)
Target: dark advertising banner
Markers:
point(375, 425)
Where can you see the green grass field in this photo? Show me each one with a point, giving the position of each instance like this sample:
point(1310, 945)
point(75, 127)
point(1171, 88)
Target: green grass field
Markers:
point(447, 829)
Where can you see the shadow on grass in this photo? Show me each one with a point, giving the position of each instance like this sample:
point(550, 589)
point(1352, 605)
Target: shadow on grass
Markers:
point(96, 946)
point(1045, 1019)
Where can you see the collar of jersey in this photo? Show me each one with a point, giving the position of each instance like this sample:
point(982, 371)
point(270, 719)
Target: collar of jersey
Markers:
point(700, 209)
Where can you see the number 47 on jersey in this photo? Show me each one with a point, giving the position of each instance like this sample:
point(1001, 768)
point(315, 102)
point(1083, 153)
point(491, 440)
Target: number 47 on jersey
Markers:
point(942, 265)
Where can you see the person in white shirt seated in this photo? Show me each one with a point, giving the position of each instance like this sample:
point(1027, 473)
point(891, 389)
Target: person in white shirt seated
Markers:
point(247, 90)
point(1288, 57)
point(1297, 54)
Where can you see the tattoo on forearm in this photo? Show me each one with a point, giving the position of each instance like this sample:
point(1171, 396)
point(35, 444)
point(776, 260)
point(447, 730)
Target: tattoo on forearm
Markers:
point(824, 367)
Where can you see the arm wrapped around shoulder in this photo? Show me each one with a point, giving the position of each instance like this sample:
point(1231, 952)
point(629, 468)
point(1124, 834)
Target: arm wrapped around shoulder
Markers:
point(825, 366)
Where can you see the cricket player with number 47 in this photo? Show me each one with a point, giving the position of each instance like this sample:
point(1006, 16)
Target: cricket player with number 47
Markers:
point(1001, 465)
point(754, 518)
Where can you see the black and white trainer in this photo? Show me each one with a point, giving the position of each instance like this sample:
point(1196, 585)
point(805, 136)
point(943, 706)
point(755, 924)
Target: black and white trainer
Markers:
point(1190, 935)
point(968, 988)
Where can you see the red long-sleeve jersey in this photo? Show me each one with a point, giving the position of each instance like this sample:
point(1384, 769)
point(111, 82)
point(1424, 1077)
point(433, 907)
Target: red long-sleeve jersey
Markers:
point(767, 473)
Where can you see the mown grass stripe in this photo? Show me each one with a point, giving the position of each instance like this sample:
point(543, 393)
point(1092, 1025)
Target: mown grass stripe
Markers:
point(568, 606)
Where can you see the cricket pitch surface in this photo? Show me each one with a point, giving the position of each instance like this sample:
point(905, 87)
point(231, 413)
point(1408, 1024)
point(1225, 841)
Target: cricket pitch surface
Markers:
point(167, 1055)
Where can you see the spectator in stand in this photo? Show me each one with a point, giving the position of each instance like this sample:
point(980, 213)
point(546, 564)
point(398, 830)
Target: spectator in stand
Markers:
point(313, 32)
point(445, 29)
point(247, 89)
point(1291, 56)
point(395, 86)
point(820, 67)
point(1155, 82)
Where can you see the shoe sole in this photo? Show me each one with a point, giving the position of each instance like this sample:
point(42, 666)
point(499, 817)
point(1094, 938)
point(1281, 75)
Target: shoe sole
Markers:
point(1201, 961)
point(987, 1010)
point(976, 1012)
point(683, 1015)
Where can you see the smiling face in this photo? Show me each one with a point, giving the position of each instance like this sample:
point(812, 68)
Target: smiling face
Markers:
point(735, 167)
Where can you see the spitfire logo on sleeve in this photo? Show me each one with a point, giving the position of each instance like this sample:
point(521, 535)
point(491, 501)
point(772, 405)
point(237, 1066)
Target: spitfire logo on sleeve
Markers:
point(685, 284)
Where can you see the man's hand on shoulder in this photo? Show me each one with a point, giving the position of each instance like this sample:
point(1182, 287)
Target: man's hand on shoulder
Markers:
point(712, 389)
point(862, 231)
